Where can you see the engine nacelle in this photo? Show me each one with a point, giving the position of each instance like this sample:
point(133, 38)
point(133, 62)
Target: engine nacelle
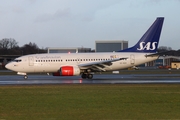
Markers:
point(68, 71)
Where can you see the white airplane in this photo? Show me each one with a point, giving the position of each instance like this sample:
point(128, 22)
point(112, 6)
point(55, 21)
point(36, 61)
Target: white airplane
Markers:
point(71, 64)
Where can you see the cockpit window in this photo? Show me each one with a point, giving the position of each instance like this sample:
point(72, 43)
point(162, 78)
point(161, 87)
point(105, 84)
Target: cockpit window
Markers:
point(17, 60)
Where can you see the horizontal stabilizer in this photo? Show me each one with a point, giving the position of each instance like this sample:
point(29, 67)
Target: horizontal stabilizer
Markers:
point(166, 53)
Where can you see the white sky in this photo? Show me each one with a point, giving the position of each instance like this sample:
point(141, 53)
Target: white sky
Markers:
point(78, 23)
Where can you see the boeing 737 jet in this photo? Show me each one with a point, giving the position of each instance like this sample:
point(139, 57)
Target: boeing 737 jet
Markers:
point(84, 64)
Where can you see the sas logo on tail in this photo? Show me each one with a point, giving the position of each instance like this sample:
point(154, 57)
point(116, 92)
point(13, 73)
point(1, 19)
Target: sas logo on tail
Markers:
point(147, 46)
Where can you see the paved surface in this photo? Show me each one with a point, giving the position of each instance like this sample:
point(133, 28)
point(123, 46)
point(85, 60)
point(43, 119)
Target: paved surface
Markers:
point(98, 79)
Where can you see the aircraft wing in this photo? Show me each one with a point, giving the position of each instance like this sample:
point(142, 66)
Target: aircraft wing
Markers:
point(100, 65)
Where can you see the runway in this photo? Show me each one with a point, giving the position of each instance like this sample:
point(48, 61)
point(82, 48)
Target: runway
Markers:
point(98, 79)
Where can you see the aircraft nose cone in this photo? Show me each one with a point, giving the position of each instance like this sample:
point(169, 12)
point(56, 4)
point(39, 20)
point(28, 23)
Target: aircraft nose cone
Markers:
point(8, 66)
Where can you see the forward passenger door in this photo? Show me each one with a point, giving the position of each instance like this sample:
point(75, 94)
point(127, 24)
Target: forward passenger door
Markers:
point(31, 61)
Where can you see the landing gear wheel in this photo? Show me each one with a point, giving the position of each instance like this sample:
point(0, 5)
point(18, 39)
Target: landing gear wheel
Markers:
point(84, 76)
point(25, 77)
point(89, 76)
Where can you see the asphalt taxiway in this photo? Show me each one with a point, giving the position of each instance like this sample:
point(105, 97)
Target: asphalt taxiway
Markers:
point(98, 79)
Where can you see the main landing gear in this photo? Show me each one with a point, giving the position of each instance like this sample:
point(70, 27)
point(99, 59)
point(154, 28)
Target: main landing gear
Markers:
point(86, 75)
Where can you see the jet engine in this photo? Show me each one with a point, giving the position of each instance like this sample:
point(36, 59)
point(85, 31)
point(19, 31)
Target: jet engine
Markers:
point(68, 71)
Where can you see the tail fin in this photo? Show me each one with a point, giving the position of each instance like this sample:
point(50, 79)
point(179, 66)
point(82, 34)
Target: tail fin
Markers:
point(150, 40)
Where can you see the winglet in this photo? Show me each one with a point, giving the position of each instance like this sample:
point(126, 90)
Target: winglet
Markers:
point(150, 40)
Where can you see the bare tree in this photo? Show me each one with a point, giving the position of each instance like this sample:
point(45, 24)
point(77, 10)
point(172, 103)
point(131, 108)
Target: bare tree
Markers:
point(164, 49)
point(8, 43)
point(30, 48)
point(8, 46)
point(13, 43)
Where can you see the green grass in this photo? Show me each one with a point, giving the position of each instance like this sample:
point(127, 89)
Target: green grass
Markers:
point(82, 101)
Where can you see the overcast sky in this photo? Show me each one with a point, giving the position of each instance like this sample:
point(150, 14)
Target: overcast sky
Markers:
point(79, 23)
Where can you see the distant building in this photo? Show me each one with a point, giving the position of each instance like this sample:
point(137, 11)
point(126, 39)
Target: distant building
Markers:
point(67, 50)
point(164, 61)
point(175, 64)
point(110, 46)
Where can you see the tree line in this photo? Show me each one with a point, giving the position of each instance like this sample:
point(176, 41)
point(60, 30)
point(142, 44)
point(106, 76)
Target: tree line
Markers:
point(9, 46)
point(168, 51)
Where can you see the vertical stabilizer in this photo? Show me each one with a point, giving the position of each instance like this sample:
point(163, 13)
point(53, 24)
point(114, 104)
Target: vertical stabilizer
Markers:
point(150, 40)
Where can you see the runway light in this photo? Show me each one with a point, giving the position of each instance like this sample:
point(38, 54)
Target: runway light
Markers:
point(80, 81)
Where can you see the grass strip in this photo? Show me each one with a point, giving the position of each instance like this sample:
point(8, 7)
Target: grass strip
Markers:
point(83, 101)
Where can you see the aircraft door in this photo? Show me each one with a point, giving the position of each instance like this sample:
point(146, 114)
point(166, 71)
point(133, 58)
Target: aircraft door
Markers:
point(132, 59)
point(31, 61)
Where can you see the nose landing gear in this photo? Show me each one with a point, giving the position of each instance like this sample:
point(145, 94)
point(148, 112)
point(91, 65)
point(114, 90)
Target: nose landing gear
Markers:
point(25, 74)
point(25, 77)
